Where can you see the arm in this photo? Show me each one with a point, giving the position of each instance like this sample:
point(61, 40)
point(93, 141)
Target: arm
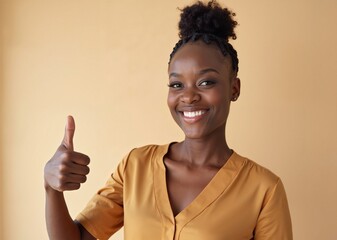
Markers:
point(274, 221)
point(66, 170)
point(59, 223)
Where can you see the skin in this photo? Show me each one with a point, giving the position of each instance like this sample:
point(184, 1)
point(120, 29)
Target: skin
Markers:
point(65, 171)
point(201, 78)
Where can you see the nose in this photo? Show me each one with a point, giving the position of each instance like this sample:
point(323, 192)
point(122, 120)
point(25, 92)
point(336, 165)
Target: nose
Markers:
point(190, 96)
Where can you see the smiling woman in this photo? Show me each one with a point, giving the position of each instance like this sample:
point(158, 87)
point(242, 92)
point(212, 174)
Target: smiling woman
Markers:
point(198, 188)
point(201, 81)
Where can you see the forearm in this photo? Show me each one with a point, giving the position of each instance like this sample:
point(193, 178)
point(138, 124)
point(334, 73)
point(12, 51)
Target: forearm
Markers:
point(60, 225)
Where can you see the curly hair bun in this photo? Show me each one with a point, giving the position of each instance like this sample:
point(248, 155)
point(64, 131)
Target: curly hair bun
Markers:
point(208, 18)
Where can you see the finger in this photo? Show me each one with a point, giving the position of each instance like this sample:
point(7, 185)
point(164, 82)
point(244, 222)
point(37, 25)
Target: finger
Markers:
point(76, 178)
point(78, 169)
point(69, 134)
point(80, 158)
point(71, 186)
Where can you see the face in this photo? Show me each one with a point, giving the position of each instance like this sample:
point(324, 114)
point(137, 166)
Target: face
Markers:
point(201, 86)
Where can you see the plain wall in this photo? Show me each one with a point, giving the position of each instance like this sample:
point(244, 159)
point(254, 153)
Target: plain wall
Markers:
point(105, 63)
point(1, 124)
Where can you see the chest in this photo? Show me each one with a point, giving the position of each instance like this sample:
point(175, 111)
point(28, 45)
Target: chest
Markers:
point(205, 203)
point(185, 183)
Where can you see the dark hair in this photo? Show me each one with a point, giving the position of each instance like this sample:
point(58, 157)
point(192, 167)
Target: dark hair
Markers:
point(210, 23)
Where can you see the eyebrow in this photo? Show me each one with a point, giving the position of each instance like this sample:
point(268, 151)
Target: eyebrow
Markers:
point(204, 71)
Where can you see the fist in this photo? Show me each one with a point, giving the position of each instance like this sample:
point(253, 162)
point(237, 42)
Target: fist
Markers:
point(67, 169)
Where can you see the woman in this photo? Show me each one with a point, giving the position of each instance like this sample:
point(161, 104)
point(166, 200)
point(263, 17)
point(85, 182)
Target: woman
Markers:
point(195, 189)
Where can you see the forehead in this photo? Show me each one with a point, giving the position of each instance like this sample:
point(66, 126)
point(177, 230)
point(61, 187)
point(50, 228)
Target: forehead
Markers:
point(198, 55)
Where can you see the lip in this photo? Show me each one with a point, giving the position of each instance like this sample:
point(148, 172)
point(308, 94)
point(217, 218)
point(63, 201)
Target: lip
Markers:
point(192, 116)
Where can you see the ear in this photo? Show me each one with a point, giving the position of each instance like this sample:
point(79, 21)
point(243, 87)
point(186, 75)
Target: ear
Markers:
point(236, 87)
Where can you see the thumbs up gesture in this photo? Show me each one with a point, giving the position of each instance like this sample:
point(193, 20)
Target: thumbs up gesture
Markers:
point(67, 169)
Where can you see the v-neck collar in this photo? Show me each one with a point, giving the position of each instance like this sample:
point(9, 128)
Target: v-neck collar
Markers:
point(218, 185)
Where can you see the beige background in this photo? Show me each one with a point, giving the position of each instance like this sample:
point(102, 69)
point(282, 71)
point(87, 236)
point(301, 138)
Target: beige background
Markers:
point(105, 63)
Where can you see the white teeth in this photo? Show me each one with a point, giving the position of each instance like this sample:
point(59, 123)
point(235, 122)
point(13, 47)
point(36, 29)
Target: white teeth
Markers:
point(194, 114)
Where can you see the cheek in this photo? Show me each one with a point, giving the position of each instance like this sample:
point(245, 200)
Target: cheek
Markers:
point(171, 101)
point(216, 98)
point(172, 104)
point(219, 100)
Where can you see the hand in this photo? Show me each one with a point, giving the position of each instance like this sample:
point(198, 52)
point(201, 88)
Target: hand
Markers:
point(67, 169)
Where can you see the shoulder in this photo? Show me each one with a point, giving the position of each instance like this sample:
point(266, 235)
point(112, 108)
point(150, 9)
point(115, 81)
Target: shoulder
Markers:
point(148, 150)
point(259, 182)
point(144, 155)
point(256, 174)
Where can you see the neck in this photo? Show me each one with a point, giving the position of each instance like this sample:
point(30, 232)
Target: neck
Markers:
point(211, 150)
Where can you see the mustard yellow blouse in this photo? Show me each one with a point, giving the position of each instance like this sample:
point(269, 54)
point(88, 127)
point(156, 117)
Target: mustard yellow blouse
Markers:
point(243, 201)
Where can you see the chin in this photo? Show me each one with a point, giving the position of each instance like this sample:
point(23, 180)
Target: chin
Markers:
point(198, 132)
point(194, 134)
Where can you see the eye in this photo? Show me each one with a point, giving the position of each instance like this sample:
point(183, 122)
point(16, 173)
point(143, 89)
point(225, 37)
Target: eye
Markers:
point(206, 83)
point(175, 85)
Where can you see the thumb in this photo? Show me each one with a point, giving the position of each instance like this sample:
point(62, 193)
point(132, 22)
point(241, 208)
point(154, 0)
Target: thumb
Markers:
point(69, 133)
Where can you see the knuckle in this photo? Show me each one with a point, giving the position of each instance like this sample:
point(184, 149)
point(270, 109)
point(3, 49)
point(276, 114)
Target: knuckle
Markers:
point(62, 168)
point(66, 156)
point(61, 180)
point(58, 186)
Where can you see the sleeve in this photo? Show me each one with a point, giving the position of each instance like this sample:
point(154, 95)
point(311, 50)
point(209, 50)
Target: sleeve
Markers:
point(104, 214)
point(274, 221)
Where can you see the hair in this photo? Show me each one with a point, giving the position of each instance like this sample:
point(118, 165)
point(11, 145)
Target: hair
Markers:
point(210, 23)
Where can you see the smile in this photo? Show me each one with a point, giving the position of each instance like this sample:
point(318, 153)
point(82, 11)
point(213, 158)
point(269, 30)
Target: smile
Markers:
point(194, 114)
